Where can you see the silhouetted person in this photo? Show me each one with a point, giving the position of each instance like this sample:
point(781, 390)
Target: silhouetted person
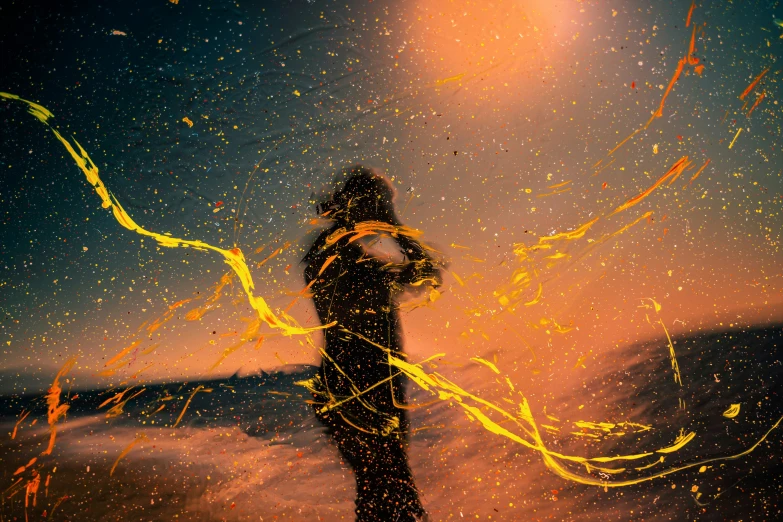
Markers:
point(358, 395)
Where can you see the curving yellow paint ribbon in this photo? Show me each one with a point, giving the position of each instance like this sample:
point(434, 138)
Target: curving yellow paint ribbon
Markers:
point(233, 258)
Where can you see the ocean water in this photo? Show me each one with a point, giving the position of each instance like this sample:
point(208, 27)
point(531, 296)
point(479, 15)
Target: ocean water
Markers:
point(251, 449)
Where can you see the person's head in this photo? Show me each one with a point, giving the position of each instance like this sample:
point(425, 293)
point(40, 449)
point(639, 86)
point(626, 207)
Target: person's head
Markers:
point(366, 196)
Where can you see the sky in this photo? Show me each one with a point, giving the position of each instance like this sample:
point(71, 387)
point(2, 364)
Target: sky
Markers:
point(497, 123)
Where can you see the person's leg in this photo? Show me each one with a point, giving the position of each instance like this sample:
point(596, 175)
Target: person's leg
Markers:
point(385, 489)
point(393, 481)
point(357, 453)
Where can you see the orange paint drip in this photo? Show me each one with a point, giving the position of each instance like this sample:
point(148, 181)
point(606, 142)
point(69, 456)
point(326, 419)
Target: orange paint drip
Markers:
point(756, 104)
point(21, 470)
point(31, 489)
point(247, 336)
point(119, 403)
point(675, 77)
point(753, 84)
point(123, 353)
point(55, 409)
point(644, 216)
point(688, 59)
point(169, 315)
point(201, 311)
point(327, 263)
point(22, 417)
point(141, 437)
point(690, 13)
point(373, 227)
point(699, 171)
point(273, 254)
point(692, 60)
point(675, 171)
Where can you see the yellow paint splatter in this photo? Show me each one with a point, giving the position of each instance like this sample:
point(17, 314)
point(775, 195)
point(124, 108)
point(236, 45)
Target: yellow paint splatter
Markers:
point(732, 411)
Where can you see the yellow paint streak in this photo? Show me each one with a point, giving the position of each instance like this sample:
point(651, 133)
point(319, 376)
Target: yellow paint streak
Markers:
point(447, 391)
point(119, 403)
point(450, 79)
point(123, 353)
point(234, 258)
point(681, 440)
point(629, 225)
point(582, 359)
point(554, 193)
point(672, 355)
point(648, 466)
point(571, 235)
point(735, 137)
point(274, 254)
point(486, 363)
point(537, 298)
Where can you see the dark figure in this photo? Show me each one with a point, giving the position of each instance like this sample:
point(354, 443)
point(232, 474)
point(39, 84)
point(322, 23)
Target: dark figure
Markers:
point(358, 395)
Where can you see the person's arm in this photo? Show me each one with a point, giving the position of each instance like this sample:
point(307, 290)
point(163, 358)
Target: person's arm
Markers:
point(420, 268)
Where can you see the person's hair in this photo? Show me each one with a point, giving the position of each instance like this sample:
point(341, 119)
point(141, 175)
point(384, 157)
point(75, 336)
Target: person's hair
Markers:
point(366, 196)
